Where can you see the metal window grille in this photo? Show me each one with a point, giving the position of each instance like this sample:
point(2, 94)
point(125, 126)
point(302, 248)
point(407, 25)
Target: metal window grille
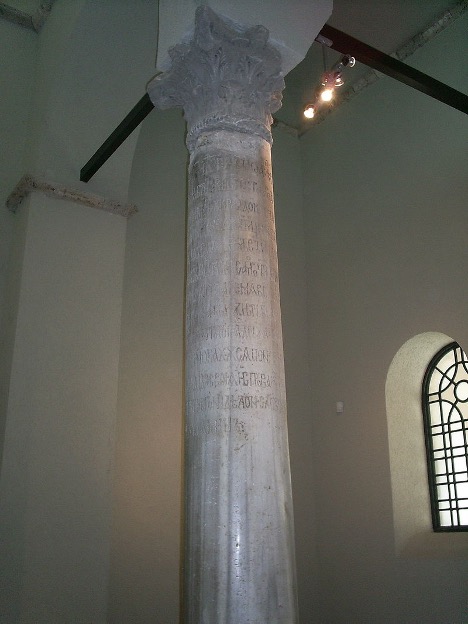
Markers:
point(445, 409)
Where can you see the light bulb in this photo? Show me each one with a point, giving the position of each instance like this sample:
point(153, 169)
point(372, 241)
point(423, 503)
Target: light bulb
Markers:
point(327, 94)
point(309, 111)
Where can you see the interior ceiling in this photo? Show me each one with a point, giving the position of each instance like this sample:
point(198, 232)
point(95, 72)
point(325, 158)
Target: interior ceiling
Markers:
point(383, 24)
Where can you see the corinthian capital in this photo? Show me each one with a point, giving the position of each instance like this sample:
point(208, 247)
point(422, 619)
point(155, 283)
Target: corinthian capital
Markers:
point(225, 78)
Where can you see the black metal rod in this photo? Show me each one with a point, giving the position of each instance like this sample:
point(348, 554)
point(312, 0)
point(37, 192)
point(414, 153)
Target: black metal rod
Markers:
point(341, 42)
point(123, 130)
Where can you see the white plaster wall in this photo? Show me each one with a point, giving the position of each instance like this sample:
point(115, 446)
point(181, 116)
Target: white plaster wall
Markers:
point(94, 61)
point(17, 67)
point(17, 63)
point(89, 66)
point(287, 179)
point(55, 486)
point(385, 207)
point(144, 580)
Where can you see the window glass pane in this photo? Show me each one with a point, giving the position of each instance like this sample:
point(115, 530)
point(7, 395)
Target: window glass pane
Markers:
point(457, 439)
point(462, 490)
point(445, 518)
point(442, 492)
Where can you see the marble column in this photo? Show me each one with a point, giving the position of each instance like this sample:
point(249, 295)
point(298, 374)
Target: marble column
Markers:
point(239, 543)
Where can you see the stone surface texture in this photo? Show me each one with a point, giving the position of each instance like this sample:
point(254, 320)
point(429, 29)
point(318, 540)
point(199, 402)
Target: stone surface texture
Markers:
point(292, 25)
point(29, 183)
point(223, 78)
point(239, 544)
point(34, 22)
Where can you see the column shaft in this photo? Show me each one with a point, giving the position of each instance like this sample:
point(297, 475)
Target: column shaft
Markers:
point(239, 538)
point(239, 545)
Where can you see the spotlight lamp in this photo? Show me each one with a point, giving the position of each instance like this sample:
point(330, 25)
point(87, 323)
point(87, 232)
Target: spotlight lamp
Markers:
point(329, 82)
point(339, 82)
point(326, 94)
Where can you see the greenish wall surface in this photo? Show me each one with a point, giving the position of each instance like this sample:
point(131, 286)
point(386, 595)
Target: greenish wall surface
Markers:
point(17, 70)
point(385, 208)
point(145, 559)
point(56, 478)
point(293, 291)
point(18, 65)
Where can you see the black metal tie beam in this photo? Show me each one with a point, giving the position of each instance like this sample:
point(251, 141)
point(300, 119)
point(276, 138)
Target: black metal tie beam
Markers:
point(123, 130)
point(345, 44)
point(337, 40)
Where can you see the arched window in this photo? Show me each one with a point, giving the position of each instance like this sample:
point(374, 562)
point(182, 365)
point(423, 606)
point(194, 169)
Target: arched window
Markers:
point(445, 409)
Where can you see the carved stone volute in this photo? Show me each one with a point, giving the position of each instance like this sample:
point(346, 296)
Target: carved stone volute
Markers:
point(224, 78)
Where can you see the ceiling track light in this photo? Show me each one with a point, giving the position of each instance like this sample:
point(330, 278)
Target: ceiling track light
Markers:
point(329, 82)
point(309, 111)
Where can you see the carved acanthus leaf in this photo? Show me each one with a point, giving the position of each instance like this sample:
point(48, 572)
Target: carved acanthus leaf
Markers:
point(222, 74)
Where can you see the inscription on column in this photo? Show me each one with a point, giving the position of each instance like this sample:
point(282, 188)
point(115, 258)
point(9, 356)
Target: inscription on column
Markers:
point(231, 208)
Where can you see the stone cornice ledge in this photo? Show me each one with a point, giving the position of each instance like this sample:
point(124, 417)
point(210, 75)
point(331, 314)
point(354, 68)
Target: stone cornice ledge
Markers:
point(29, 183)
point(33, 22)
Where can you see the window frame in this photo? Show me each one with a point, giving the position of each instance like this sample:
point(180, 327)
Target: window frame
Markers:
point(429, 437)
